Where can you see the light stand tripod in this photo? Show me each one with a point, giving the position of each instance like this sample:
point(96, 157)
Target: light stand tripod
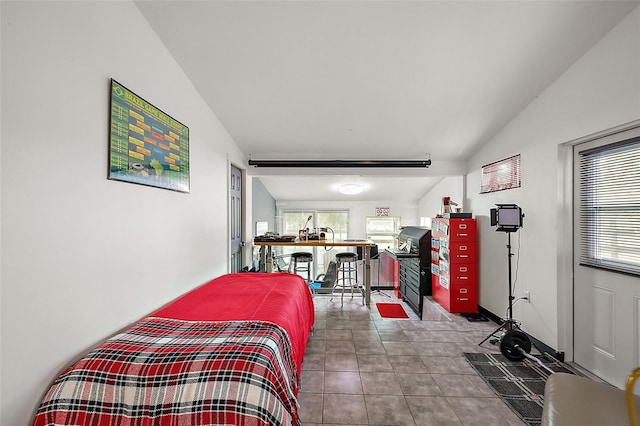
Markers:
point(509, 324)
point(377, 290)
point(515, 344)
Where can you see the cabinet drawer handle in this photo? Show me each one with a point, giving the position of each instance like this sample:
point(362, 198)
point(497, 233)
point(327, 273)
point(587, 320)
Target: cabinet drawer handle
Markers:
point(463, 291)
point(464, 248)
point(462, 277)
point(463, 226)
point(463, 269)
point(463, 299)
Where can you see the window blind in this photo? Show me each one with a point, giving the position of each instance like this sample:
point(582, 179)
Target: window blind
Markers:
point(501, 175)
point(609, 210)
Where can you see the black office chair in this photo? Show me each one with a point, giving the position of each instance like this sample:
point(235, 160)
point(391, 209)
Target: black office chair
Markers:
point(327, 280)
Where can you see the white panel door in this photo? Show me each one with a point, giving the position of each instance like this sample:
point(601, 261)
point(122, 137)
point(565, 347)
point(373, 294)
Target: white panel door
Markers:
point(606, 304)
point(235, 222)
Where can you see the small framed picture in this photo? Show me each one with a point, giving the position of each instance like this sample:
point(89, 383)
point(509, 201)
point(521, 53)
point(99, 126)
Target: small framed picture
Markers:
point(382, 211)
point(501, 175)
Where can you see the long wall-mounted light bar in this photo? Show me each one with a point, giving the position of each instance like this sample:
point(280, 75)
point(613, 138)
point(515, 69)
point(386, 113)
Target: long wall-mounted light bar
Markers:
point(341, 163)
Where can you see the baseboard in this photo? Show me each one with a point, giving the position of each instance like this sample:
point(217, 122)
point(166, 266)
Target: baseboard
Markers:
point(487, 313)
point(541, 346)
point(546, 349)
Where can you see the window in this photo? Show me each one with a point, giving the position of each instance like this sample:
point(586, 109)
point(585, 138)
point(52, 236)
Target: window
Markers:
point(383, 230)
point(336, 222)
point(292, 222)
point(425, 221)
point(609, 210)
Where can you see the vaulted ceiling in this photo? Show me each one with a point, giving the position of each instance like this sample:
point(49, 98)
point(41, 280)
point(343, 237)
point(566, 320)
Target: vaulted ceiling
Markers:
point(373, 79)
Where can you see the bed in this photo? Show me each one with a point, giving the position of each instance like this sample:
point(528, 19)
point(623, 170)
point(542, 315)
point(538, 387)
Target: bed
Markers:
point(227, 353)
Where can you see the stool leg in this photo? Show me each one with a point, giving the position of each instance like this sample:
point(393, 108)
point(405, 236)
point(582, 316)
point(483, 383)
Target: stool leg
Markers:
point(335, 285)
point(346, 276)
point(341, 269)
point(342, 293)
point(355, 275)
point(351, 280)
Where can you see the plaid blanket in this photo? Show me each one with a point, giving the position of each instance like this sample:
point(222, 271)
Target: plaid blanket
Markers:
point(174, 372)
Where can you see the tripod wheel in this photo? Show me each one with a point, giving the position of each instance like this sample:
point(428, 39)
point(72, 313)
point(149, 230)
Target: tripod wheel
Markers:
point(514, 344)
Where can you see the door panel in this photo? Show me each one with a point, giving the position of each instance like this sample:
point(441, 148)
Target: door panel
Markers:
point(604, 301)
point(235, 225)
point(606, 326)
point(606, 304)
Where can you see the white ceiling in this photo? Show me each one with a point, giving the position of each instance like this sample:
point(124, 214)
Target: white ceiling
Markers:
point(373, 79)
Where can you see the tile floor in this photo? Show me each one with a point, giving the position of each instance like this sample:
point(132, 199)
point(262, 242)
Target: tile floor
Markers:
point(362, 369)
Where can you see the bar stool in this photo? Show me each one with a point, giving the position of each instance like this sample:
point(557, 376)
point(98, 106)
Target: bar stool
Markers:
point(301, 263)
point(347, 274)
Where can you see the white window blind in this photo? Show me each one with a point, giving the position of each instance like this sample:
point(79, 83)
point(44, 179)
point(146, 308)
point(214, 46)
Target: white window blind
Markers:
point(610, 207)
point(501, 175)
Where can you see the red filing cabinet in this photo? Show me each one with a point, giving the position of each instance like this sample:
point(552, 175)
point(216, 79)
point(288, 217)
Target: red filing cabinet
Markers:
point(454, 264)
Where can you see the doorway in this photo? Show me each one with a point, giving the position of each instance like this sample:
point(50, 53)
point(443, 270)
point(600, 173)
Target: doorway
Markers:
point(235, 219)
point(606, 294)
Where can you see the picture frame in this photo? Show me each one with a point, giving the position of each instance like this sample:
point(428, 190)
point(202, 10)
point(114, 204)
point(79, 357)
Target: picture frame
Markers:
point(382, 211)
point(501, 175)
point(146, 145)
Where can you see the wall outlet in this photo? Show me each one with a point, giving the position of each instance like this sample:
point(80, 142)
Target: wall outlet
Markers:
point(527, 296)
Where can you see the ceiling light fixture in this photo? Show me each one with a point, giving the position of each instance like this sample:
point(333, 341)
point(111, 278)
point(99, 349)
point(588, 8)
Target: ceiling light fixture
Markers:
point(350, 189)
point(342, 163)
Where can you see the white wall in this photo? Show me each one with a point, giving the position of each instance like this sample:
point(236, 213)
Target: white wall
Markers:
point(600, 91)
point(83, 256)
point(430, 204)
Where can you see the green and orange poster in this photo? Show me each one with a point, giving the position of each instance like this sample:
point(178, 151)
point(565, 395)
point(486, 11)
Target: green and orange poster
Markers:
point(147, 146)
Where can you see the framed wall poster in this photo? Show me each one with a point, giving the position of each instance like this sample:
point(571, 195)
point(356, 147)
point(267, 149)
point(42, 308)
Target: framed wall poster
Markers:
point(382, 211)
point(501, 175)
point(146, 146)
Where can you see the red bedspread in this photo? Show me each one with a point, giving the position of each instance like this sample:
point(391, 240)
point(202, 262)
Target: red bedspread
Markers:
point(164, 372)
point(228, 352)
point(281, 298)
